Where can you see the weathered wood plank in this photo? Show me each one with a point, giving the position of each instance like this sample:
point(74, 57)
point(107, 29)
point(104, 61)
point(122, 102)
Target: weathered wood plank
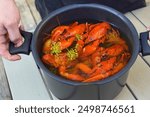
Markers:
point(36, 16)
point(26, 16)
point(139, 27)
point(144, 17)
point(25, 80)
point(4, 87)
point(24, 77)
point(147, 1)
point(139, 79)
point(125, 94)
point(139, 74)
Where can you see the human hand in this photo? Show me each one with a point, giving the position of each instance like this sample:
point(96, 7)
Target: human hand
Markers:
point(9, 28)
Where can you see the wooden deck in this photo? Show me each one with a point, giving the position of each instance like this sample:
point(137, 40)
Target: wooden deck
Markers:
point(19, 81)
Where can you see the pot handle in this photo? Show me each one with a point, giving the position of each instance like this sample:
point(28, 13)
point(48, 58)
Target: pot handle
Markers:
point(25, 47)
point(145, 48)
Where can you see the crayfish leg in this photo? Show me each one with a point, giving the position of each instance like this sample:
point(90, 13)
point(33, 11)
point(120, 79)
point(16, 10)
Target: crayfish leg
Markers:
point(75, 77)
point(84, 68)
point(98, 77)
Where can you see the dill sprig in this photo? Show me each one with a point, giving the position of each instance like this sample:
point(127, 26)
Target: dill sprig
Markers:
point(78, 36)
point(72, 54)
point(55, 49)
point(113, 34)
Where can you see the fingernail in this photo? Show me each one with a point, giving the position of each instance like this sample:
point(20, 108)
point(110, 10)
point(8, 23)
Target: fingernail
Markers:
point(19, 43)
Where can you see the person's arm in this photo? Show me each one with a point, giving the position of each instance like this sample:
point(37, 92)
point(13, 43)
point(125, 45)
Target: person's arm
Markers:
point(9, 28)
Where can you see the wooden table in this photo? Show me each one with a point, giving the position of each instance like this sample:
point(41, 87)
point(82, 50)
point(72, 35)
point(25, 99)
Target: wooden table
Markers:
point(26, 81)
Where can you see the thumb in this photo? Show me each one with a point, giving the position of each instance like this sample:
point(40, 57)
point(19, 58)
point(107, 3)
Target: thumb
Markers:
point(14, 35)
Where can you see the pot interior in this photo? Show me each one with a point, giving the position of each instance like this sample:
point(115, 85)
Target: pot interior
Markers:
point(85, 13)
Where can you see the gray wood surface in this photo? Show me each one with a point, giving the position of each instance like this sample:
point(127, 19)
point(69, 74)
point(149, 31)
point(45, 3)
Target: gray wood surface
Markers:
point(25, 79)
point(139, 76)
point(143, 16)
point(4, 87)
point(139, 79)
point(35, 14)
point(26, 16)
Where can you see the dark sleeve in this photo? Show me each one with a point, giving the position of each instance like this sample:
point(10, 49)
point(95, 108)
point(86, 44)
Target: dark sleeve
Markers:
point(120, 5)
point(46, 6)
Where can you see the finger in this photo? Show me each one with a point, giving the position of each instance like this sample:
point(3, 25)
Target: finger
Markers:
point(3, 31)
point(4, 50)
point(21, 27)
point(19, 43)
point(10, 57)
point(148, 28)
point(14, 34)
point(22, 40)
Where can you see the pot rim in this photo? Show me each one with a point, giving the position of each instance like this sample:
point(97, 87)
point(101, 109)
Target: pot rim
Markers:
point(76, 6)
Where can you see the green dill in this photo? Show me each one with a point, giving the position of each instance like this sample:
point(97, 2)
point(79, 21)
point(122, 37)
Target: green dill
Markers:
point(78, 36)
point(72, 54)
point(113, 34)
point(55, 49)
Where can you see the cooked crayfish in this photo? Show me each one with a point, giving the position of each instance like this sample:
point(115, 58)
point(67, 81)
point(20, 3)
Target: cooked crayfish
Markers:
point(86, 52)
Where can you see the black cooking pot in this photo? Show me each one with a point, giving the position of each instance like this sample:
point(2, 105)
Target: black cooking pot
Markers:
point(66, 89)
